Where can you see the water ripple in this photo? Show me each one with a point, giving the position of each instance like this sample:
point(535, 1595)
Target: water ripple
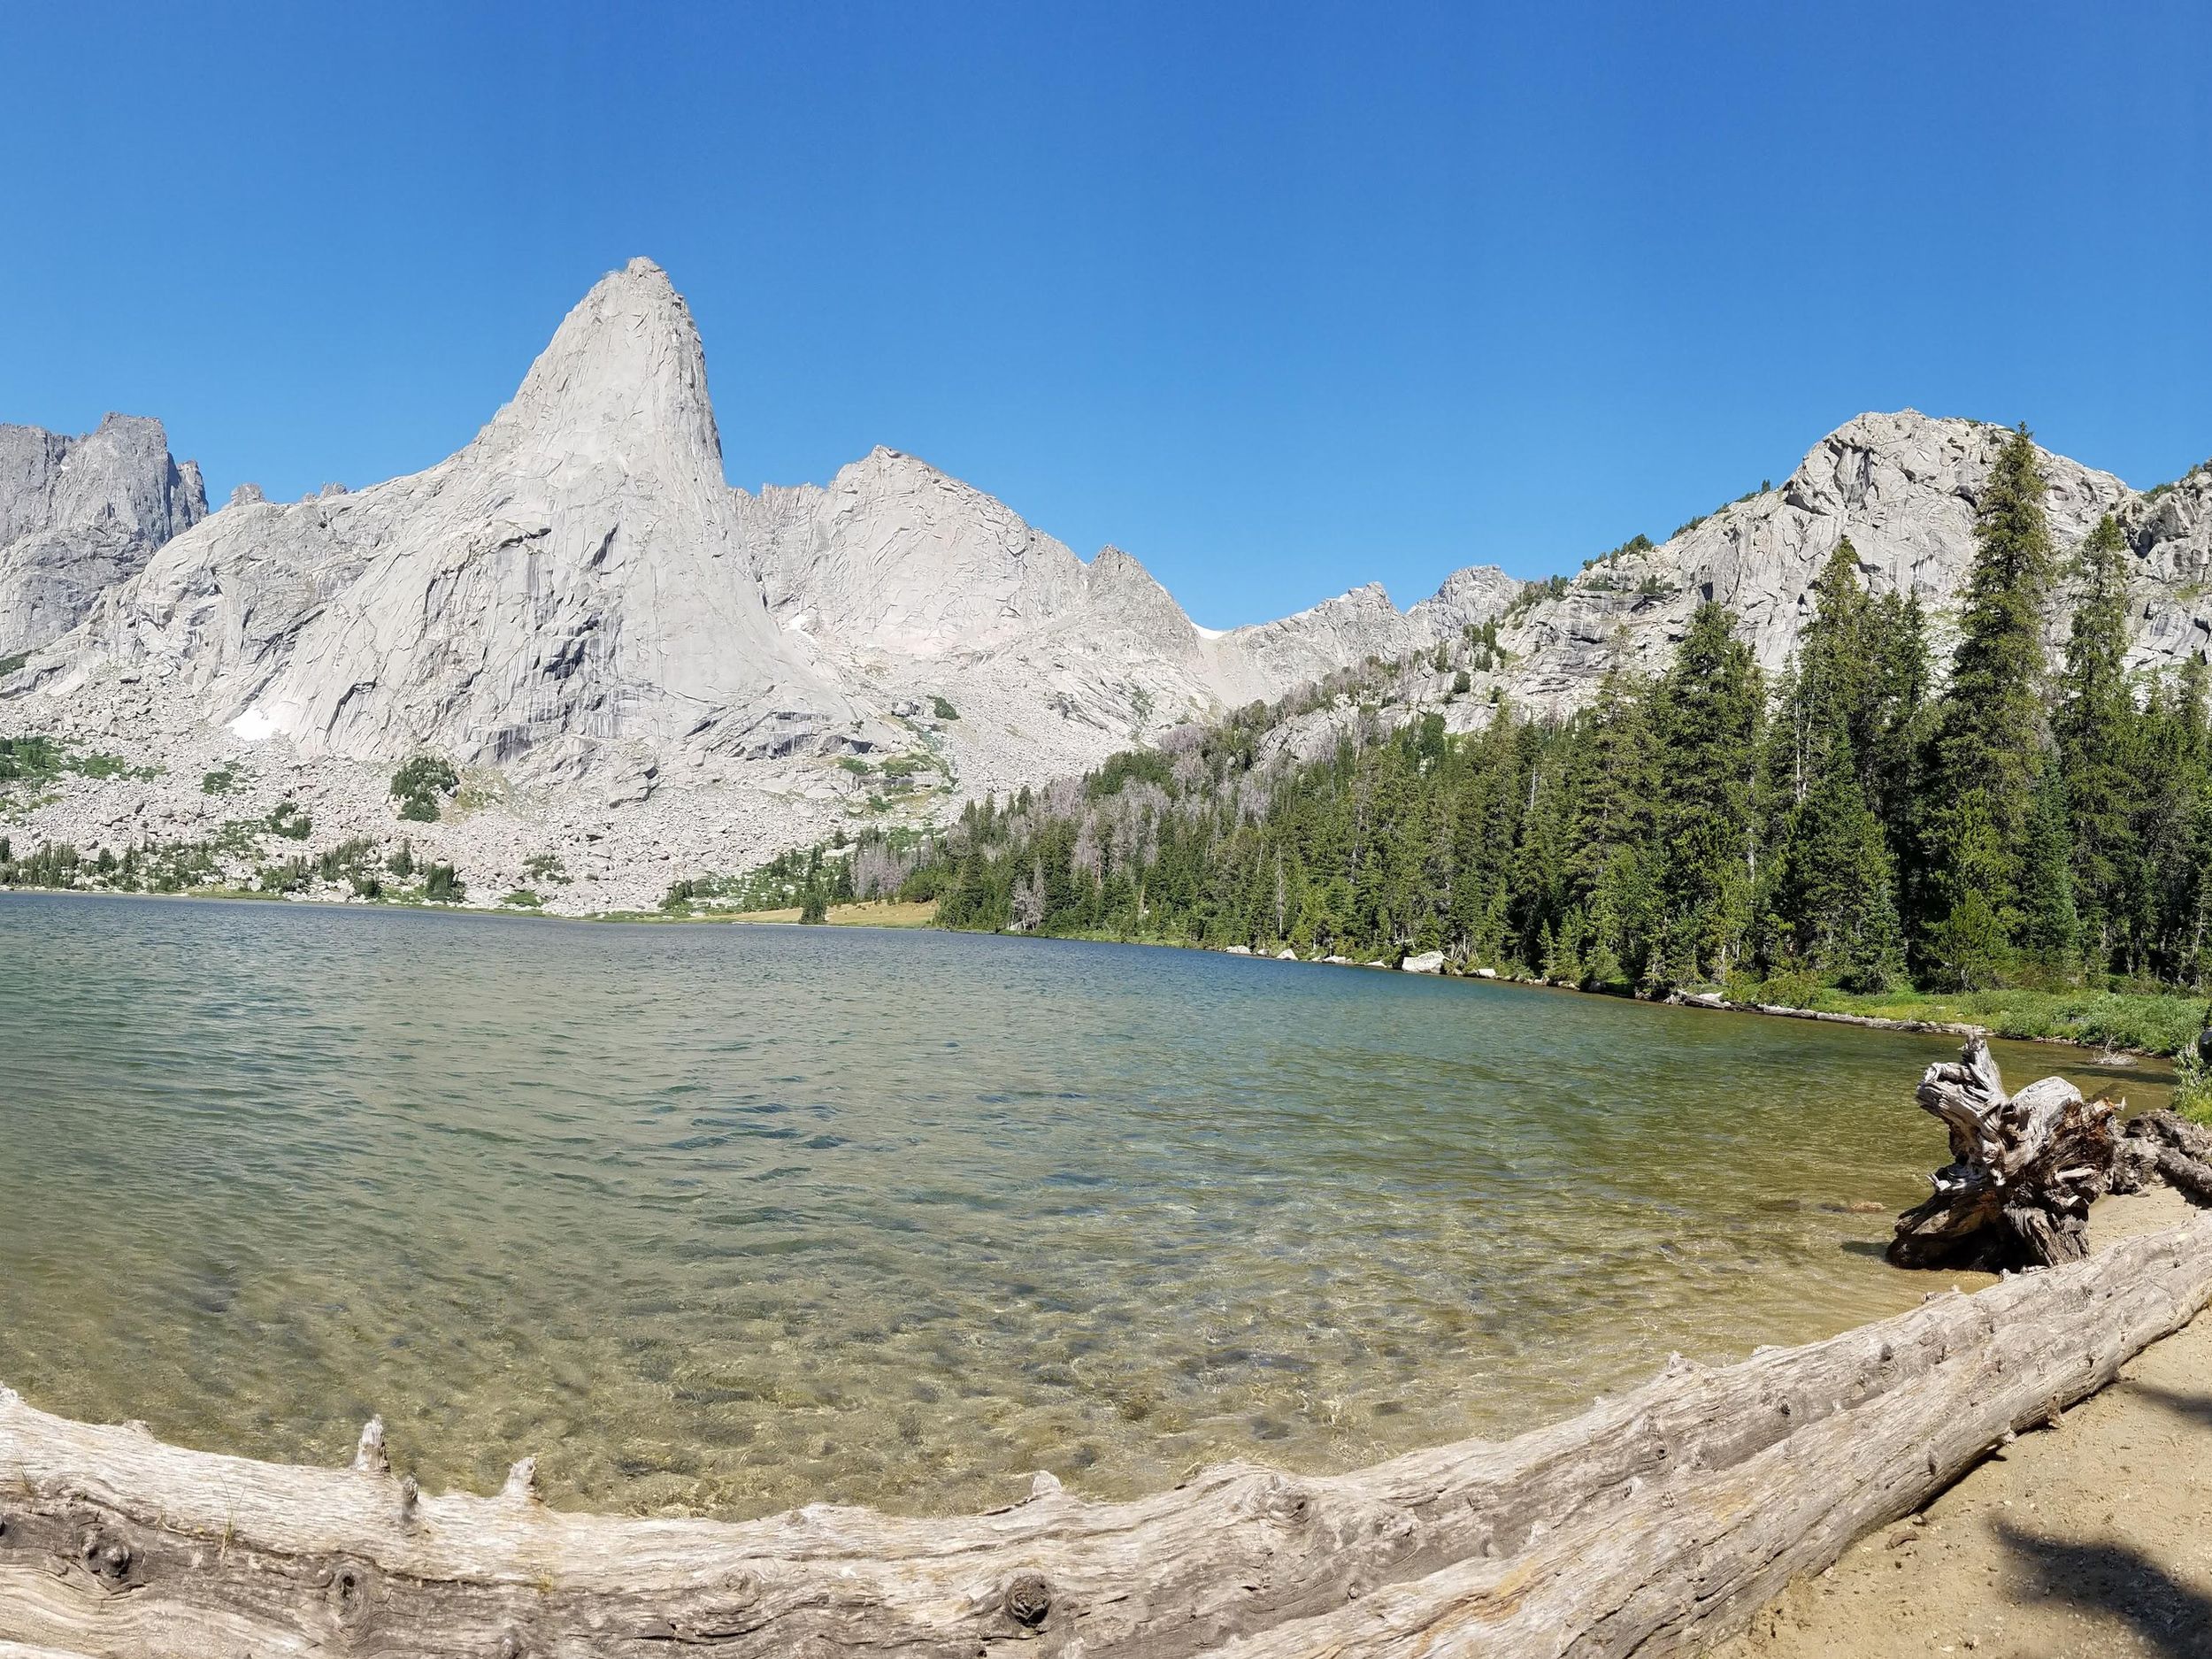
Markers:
point(727, 1219)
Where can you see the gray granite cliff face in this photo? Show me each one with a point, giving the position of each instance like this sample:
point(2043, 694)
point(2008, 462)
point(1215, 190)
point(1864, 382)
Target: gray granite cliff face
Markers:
point(568, 592)
point(643, 668)
point(80, 515)
point(1904, 488)
point(580, 594)
point(917, 586)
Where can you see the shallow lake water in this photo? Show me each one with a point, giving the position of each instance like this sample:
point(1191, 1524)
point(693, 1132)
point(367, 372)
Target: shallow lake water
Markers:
point(729, 1218)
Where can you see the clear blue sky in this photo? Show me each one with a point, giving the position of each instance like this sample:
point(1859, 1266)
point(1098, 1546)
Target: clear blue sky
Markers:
point(1281, 298)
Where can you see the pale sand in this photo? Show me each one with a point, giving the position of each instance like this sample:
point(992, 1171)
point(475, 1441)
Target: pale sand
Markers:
point(2092, 1539)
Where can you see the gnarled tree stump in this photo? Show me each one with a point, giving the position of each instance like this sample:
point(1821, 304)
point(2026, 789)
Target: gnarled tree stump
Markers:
point(2024, 1169)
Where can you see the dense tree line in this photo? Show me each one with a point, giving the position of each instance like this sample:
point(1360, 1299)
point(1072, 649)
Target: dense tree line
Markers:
point(2031, 821)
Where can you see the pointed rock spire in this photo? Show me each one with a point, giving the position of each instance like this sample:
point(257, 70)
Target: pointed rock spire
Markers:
point(624, 369)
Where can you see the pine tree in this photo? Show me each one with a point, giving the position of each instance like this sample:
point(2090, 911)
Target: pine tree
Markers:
point(1830, 902)
point(1835, 891)
point(1987, 748)
point(2161, 875)
point(1894, 766)
point(2050, 928)
point(1709, 713)
point(1972, 942)
point(2098, 731)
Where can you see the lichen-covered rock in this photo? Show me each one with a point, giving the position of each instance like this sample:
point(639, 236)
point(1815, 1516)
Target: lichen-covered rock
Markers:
point(79, 515)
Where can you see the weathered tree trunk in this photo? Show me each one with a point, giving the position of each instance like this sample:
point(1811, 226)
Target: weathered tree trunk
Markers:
point(2160, 1145)
point(1650, 1526)
point(2024, 1169)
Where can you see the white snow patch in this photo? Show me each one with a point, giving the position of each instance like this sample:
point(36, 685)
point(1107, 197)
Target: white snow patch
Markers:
point(797, 624)
point(1205, 633)
point(253, 726)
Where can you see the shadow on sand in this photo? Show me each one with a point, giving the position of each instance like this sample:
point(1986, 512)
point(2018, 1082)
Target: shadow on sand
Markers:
point(2173, 1620)
point(2196, 1408)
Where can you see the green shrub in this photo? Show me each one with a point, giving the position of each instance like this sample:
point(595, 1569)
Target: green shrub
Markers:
point(31, 759)
point(442, 885)
point(223, 780)
point(421, 784)
point(546, 867)
point(2192, 1085)
point(1790, 990)
point(523, 898)
point(289, 821)
point(814, 909)
point(291, 876)
point(942, 710)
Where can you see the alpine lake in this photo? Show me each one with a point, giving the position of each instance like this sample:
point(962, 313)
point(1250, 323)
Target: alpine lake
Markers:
point(726, 1219)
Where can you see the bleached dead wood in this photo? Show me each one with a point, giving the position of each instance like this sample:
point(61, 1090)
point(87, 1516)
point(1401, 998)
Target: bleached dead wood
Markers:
point(2164, 1145)
point(2024, 1169)
point(1649, 1524)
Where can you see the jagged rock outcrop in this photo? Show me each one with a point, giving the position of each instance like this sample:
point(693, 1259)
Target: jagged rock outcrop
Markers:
point(919, 586)
point(80, 515)
point(1903, 488)
point(1335, 633)
point(571, 583)
point(1467, 599)
point(894, 556)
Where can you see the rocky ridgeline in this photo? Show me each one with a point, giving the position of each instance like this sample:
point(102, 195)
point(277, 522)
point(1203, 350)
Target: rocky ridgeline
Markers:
point(650, 674)
point(1904, 488)
point(78, 516)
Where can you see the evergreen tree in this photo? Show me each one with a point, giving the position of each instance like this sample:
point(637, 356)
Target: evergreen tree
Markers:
point(1831, 904)
point(2050, 927)
point(2098, 731)
point(1987, 748)
point(2161, 874)
point(1710, 707)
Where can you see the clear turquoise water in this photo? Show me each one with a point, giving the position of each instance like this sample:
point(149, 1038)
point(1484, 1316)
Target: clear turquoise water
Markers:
point(725, 1220)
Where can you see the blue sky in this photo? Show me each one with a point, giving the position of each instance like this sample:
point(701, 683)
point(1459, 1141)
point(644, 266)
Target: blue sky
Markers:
point(1281, 298)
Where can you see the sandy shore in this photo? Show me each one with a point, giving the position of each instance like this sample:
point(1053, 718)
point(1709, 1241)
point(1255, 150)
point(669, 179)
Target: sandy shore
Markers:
point(2091, 1540)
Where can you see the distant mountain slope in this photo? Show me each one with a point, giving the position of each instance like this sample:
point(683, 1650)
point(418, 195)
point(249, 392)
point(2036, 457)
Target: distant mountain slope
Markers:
point(633, 660)
point(80, 515)
point(917, 586)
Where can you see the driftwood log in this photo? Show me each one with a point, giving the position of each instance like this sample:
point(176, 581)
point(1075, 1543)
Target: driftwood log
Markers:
point(1651, 1525)
point(2024, 1169)
point(2161, 1146)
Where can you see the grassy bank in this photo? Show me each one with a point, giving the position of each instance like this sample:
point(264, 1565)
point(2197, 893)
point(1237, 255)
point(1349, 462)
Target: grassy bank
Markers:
point(2146, 1021)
